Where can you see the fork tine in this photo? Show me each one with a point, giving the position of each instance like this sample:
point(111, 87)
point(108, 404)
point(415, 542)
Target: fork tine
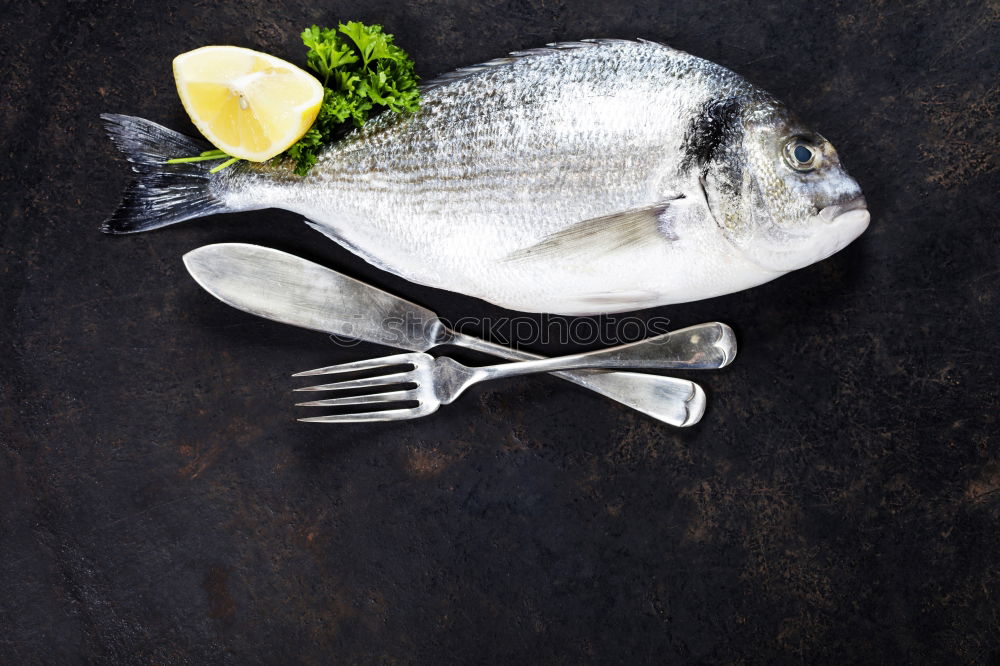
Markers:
point(364, 382)
point(367, 364)
point(391, 396)
point(387, 415)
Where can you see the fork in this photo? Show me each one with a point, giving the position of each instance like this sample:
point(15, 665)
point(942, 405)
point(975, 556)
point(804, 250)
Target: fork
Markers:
point(439, 381)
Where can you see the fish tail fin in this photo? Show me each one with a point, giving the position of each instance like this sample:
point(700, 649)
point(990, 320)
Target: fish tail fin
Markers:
point(161, 193)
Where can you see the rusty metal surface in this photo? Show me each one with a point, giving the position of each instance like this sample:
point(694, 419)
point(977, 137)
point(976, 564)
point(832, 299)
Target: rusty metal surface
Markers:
point(838, 503)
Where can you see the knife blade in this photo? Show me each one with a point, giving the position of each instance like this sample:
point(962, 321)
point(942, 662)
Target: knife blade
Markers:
point(283, 287)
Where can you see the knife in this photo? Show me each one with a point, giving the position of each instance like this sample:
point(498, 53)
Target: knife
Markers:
point(286, 288)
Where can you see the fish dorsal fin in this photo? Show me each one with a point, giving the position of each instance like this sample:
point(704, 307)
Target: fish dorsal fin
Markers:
point(602, 235)
point(463, 73)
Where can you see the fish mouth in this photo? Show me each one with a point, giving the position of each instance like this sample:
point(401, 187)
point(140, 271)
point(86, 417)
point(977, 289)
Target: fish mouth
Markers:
point(832, 229)
point(846, 222)
point(853, 212)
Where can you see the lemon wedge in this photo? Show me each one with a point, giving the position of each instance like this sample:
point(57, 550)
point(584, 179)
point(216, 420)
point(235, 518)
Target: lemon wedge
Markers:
point(249, 104)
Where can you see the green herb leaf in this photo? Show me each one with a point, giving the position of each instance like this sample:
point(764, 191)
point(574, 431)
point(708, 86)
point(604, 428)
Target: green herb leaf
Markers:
point(362, 72)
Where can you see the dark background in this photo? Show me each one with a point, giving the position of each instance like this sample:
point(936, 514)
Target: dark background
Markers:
point(838, 503)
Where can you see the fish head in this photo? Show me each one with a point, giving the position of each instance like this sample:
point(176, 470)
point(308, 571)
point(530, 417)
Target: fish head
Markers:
point(778, 189)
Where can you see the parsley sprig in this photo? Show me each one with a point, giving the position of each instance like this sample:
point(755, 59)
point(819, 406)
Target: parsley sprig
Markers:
point(361, 70)
point(208, 155)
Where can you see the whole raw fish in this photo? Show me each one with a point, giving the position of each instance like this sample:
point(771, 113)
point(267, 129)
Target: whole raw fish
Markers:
point(582, 178)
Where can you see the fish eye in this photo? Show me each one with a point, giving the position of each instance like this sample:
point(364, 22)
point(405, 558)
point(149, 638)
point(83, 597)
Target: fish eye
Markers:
point(800, 155)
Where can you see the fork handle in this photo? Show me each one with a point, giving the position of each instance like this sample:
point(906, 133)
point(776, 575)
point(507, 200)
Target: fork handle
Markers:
point(678, 402)
point(711, 345)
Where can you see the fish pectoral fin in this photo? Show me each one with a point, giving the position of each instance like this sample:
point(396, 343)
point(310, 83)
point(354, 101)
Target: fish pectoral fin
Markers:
point(626, 230)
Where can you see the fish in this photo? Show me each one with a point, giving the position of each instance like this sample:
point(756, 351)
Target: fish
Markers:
point(580, 178)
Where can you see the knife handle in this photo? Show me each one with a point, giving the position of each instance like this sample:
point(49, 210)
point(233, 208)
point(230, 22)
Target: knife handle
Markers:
point(678, 402)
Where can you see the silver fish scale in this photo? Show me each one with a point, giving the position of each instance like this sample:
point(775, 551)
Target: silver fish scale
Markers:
point(551, 137)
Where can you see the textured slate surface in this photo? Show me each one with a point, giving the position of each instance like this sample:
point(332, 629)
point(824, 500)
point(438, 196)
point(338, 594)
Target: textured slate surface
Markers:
point(839, 503)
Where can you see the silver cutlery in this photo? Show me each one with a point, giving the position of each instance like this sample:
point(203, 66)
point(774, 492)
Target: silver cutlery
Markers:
point(285, 288)
point(439, 381)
